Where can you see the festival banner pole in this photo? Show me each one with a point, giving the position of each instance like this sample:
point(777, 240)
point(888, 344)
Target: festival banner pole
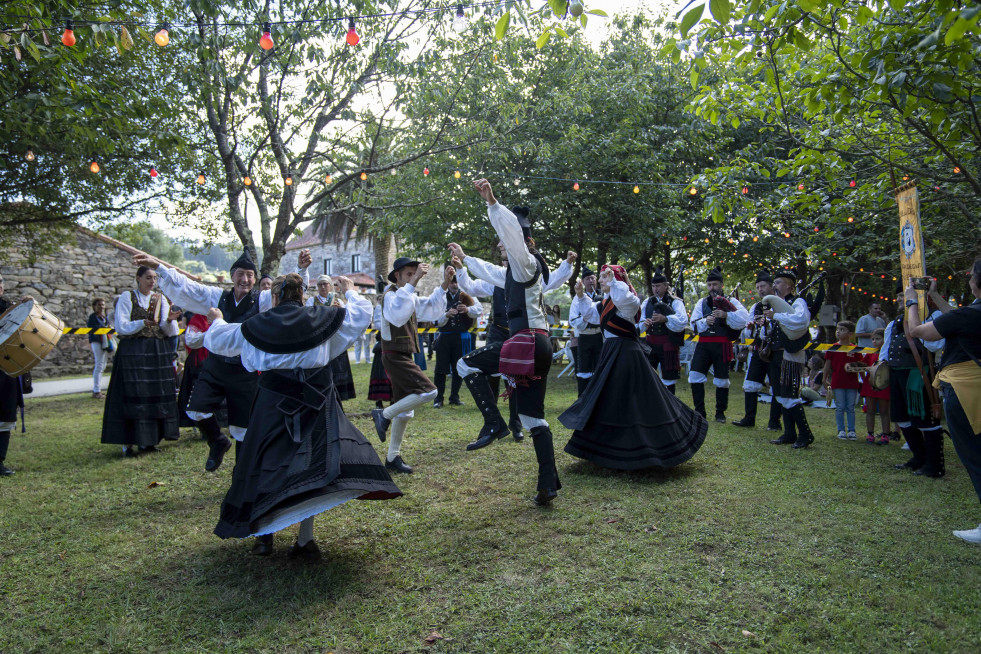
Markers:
point(912, 257)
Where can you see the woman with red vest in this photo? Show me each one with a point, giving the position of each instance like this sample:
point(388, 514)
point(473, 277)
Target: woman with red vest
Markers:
point(626, 418)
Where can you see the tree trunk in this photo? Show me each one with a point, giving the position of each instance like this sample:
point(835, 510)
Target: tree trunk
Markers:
point(384, 255)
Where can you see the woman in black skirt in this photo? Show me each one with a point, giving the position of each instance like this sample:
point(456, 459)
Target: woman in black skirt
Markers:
point(302, 456)
point(141, 406)
point(626, 418)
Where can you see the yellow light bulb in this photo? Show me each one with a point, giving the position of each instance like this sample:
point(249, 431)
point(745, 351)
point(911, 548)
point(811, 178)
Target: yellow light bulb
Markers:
point(328, 179)
point(289, 181)
point(457, 174)
point(364, 176)
point(247, 181)
point(162, 38)
point(636, 189)
point(693, 191)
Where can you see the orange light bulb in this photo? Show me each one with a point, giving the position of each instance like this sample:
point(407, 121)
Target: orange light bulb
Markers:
point(364, 176)
point(575, 187)
point(68, 36)
point(247, 181)
point(352, 34)
point(200, 179)
point(94, 167)
point(162, 37)
point(289, 180)
point(328, 179)
point(265, 41)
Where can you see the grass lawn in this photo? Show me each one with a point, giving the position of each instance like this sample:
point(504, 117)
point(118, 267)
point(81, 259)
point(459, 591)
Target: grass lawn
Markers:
point(824, 550)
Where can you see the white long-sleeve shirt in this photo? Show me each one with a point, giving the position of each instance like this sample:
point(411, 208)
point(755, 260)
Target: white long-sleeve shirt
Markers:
point(198, 298)
point(227, 339)
point(194, 338)
point(734, 319)
point(578, 322)
point(799, 319)
point(676, 322)
point(627, 305)
point(127, 327)
point(523, 263)
point(400, 305)
point(487, 276)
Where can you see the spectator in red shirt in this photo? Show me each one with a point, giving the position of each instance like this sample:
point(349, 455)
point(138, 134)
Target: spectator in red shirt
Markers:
point(843, 384)
point(876, 402)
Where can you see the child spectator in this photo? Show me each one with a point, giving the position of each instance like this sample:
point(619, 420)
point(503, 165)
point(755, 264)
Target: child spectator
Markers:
point(876, 402)
point(843, 384)
point(815, 374)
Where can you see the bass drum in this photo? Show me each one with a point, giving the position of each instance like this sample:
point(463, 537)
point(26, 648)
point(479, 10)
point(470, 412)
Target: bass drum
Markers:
point(28, 333)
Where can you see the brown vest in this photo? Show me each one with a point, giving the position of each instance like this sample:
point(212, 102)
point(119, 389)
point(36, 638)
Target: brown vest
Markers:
point(139, 313)
point(404, 338)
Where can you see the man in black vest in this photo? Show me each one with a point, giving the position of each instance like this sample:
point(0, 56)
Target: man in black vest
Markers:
point(760, 331)
point(222, 378)
point(454, 339)
point(664, 319)
point(717, 320)
point(589, 336)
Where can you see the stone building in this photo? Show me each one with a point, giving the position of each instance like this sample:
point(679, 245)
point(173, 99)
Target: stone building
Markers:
point(91, 265)
point(354, 259)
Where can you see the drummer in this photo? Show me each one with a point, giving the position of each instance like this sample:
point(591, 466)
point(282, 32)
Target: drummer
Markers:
point(11, 397)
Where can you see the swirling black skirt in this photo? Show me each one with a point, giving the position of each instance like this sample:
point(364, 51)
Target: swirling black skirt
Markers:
point(626, 419)
point(141, 401)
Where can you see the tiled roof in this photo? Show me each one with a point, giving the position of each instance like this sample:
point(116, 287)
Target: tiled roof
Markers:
point(130, 249)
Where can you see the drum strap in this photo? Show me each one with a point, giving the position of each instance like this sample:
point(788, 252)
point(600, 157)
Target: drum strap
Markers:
point(935, 406)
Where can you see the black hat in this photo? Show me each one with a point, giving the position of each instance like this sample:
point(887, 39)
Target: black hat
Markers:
point(265, 276)
point(659, 277)
point(245, 262)
point(521, 213)
point(586, 272)
point(715, 275)
point(764, 276)
point(786, 274)
point(399, 264)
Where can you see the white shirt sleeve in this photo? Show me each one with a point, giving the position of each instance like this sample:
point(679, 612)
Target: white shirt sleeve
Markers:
point(187, 293)
point(398, 306)
point(432, 307)
point(474, 287)
point(643, 312)
point(505, 223)
point(476, 310)
point(123, 325)
point(886, 341)
point(795, 321)
point(491, 274)
point(737, 319)
point(194, 338)
point(679, 320)
point(558, 277)
point(586, 311)
point(626, 302)
point(934, 346)
point(697, 321)
point(224, 338)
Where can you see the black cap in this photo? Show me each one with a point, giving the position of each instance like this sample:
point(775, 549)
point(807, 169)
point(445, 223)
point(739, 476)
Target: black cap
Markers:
point(715, 275)
point(265, 276)
point(764, 276)
point(245, 262)
point(586, 272)
point(399, 264)
point(521, 213)
point(659, 277)
point(786, 274)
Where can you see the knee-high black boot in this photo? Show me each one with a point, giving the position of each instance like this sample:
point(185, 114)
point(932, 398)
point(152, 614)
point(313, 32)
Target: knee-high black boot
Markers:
point(4, 443)
point(455, 382)
point(917, 447)
point(440, 381)
point(934, 449)
point(514, 422)
point(495, 386)
point(698, 398)
point(721, 403)
point(548, 474)
point(581, 383)
point(749, 420)
point(218, 444)
point(775, 410)
point(789, 435)
point(804, 435)
point(494, 425)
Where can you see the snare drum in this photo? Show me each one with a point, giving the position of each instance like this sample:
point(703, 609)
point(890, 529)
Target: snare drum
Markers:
point(879, 375)
point(28, 333)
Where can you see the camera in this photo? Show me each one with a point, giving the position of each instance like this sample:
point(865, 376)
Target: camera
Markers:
point(921, 283)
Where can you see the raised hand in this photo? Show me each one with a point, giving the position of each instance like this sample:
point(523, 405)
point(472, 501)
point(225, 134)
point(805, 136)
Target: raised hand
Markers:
point(579, 288)
point(456, 251)
point(145, 260)
point(344, 284)
point(484, 189)
point(571, 257)
point(214, 314)
point(421, 271)
point(304, 260)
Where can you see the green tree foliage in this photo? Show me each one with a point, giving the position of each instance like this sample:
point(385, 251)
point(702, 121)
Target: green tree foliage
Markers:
point(146, 237)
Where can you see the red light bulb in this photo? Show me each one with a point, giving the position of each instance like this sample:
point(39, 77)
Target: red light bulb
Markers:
point(352, 34)
point(153, 172)
point(68, 37)
point(852, 183)
point(425, 171)
point(266, 42)
point(800, 187)
point(575, 187)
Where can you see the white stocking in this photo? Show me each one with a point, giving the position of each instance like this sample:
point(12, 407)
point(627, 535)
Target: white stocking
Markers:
point(395, 438)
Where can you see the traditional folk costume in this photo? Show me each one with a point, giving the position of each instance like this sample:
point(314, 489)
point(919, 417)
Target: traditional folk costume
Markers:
point(222, 378)
point(302, 456)
point(401, 308)
point(910, 402)
point(714, 347)
point(11, 399)
point(526, 357)
point(379, 385)
point(340, 366)
point(790, 337)
point(454, 340)
point(761, 367)
point(197, 354)
point(589, 340)
point(666, 338)
point(480, 369)
point(626, 418)
point(141, 406)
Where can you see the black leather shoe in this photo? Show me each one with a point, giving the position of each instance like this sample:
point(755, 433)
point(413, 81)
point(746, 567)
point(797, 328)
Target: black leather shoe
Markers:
point(130, 453)
point(455, 402)
point(5, 471)
point(381, 423)
point(488, 434)
point(518, 436)
point(309, 552)
point(785, 439)
point(774, 427)
point(151, 449)
point(912, 464)
point(545, 496)
point(720, 417)
point(803, 441)
point(398, 465)
point(216, 453)
point(263, 545)
point(437, 404)
point(930, 471)
point(745, 422)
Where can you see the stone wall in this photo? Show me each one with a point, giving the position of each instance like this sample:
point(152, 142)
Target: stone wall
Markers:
point(340, 259)
point(65, 284)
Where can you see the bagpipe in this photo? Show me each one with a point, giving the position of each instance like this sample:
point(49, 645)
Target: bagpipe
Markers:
point(792, 340)
point(717, 300)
